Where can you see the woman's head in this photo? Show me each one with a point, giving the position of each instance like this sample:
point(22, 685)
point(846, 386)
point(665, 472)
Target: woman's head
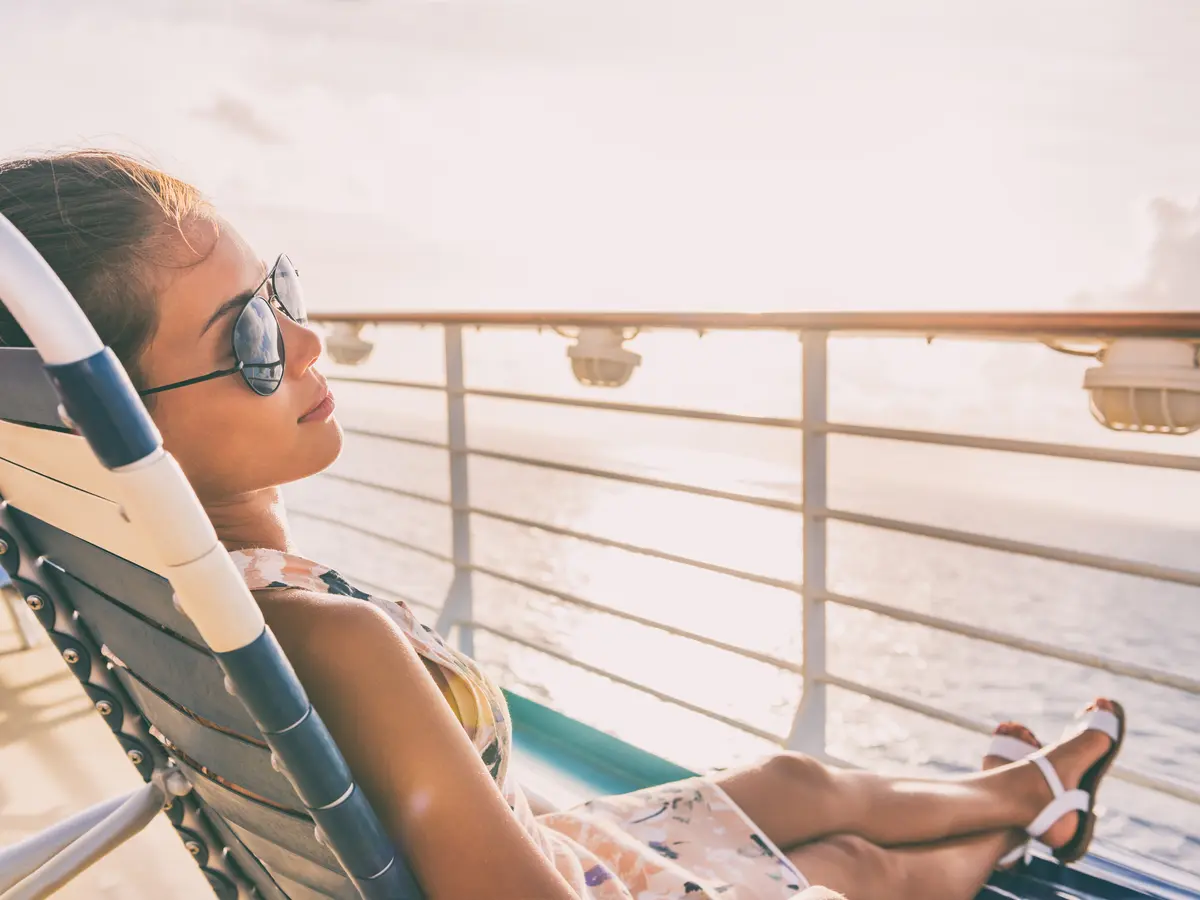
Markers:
point(155, 269)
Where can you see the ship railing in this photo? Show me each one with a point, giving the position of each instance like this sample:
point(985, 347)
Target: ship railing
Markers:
point(808, 732)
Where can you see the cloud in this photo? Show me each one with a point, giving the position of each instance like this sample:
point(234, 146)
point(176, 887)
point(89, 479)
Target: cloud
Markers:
point(241, 118)
point(1170, 278)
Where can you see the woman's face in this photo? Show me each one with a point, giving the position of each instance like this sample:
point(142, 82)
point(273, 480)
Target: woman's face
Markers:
point(228, 439)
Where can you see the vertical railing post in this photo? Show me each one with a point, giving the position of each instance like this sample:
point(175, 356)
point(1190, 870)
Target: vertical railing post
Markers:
point(808, 728)
point(459, 605)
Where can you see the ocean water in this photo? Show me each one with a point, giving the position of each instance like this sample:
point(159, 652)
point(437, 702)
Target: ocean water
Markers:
point(717, 156)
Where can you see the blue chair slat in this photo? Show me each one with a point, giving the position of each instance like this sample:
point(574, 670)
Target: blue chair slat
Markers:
point(135, 587)
point(28, 395)
point(245, 764)
point(282, 862)
point(298, 891)
point(175, 668)
point(291, 831)
point(231, 877)
point(246, 864)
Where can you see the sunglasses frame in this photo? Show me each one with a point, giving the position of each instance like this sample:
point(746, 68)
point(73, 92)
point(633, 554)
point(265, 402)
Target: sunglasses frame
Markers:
point(273, 302)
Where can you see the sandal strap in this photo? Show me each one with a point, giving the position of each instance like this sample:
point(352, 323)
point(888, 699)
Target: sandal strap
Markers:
point(1063, 801)
point(1018, 854)
point(1005, 746)
point(1049, 773)
point(1098, 720)
point(1068, 802)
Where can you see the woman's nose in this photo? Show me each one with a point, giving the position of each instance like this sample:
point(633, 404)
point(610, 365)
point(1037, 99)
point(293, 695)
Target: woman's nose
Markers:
point(303, 345)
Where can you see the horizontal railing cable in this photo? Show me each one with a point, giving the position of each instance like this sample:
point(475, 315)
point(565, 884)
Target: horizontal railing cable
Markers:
point(387, 488)
point(1027, 645)
point(604, 609)
point(387, 382)
point(670, 412)
point(1022, 548)
point(385, 538)
point(396, 438)
point(625, 478)
point(1010, 445)
point(1167, 786)
point(626, 682)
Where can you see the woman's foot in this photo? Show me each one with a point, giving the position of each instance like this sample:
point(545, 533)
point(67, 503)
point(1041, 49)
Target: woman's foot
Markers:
point(1011, 742)
point(1078, 762)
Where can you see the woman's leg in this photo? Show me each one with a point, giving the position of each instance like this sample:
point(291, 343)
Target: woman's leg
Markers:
point(951, 870)
point(796, 799)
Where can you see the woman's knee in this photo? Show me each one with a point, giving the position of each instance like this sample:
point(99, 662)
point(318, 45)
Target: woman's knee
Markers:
point(852, 865)
point(795, 771)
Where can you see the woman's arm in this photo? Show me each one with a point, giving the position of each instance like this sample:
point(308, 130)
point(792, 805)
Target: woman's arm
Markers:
point(408, 751)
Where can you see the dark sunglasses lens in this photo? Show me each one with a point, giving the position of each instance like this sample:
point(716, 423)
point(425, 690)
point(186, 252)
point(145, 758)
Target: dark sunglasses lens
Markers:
point(258, 346)
point(286, 282)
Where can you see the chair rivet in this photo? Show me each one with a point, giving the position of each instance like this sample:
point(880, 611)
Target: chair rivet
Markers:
point(135, 757)
point(320, 836)
point(3, 546)
point(229, 689)
point(276, 764)
point(193, 848)
point(175, 601)
point(104, 707)
point(71, 656)
point(35, 602)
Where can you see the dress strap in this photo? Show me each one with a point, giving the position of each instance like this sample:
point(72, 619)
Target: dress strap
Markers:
point(264, 569)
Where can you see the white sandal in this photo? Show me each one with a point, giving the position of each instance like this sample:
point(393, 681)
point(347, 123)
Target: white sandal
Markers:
point(1013, 749)
point(1109, 723)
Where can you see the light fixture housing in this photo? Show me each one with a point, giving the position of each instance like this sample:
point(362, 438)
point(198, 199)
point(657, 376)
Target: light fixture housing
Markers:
point(600, 359)
point(345, 345)
point(1146, 385)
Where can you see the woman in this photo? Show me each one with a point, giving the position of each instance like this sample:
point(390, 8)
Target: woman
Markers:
point(216, 342)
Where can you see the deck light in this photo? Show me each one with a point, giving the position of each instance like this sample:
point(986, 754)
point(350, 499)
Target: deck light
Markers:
point(1146, 385)
point(598, 358)
point(345, 344)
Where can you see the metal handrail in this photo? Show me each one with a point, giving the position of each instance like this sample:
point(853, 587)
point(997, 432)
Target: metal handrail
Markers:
point(1019, 325)
point(815, 328)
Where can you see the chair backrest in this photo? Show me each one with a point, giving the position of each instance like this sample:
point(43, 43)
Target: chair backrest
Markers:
point(274, 811)
point(90, 578)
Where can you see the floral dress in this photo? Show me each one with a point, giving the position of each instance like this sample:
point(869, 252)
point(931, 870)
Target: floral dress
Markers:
point(686, 839)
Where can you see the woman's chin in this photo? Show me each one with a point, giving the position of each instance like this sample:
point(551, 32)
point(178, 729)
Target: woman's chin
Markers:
point(323, 445)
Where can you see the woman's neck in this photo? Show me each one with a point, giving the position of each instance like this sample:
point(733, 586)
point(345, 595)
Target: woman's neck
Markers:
point(257, 519)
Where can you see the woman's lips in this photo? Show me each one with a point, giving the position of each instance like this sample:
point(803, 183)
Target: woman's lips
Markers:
point(321, 412)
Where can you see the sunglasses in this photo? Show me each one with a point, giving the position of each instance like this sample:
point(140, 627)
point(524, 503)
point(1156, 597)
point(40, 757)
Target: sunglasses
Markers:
point(258, 348)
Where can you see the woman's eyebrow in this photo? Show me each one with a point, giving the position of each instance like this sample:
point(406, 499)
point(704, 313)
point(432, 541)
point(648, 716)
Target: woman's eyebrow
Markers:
point(233, 303)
